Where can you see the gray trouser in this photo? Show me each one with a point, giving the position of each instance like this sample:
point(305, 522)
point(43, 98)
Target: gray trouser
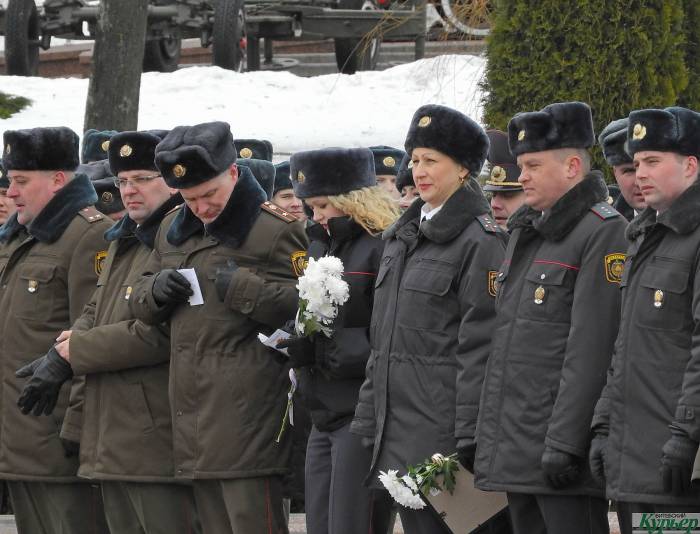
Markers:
point(149, 508)
point(558, 514)
point(241, 506)
point(626, 509)
point(53, 508)
point(337, 502)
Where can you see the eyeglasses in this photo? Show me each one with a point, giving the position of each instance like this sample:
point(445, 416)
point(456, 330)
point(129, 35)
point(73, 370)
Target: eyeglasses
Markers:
point(137, 182)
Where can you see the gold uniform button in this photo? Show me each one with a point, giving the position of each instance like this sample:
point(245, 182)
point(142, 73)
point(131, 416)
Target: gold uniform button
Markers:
point(539, 295)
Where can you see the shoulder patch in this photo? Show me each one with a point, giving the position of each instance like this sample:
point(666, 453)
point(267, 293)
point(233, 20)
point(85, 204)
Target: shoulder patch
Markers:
point(604, 210)
point(614, 267)
point(90, 214)
point(299, 262)
point(278, 212)
point(100, 258)
point(488, 224)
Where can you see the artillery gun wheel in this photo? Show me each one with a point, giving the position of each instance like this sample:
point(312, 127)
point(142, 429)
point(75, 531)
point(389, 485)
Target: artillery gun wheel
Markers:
point(352, 55)
point(229, 35)
point(22, 38)
point(162, 55)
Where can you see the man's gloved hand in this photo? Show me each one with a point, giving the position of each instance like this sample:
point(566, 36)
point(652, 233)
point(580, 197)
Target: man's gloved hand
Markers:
point(560, 468)
point(596, 455)
point(223, 278)
point(466, 455)
point(70, 448)
point(301, 351)
point(170, 287)
point(48, 374)
point(678, 456)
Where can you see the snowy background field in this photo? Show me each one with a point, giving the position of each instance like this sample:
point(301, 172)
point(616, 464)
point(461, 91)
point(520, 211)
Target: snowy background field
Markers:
point(294, 113)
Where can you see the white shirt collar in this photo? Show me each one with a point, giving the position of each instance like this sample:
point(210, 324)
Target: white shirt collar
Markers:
point(426, 213)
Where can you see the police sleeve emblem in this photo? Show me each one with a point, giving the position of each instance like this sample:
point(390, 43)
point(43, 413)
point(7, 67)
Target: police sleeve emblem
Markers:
point(100, 258)
point(614, 267)
point(493, 276)
point(299, 262)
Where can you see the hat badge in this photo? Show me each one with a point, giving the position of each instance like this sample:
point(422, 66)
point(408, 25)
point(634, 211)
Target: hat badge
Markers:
point(107, 197)
point(521, 135)
point(389, 162)
point(639, 132)
point(424, 121)
point(498, 173)
point(300, 177)
point(105, 145)
point(125, 151)
point(179, 171)
point(246, 153)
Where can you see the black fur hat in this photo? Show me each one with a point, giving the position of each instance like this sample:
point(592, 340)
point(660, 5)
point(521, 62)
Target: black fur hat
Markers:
point(4, 180)
point(131, 151)
point(109, 199)
point(404, 175)
point(504, 172)
point(192, 155)
point(254, 149)
point(331, 171)
point(282, 177)
point(386, 159)
point(560, 125)
point(41, 149)
point(613, 139)
point(95, 145)
point(263, 171)
point(672, 129)
point(452, 133)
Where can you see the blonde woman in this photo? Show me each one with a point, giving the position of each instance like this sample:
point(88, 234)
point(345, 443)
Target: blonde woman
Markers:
point(351, 212)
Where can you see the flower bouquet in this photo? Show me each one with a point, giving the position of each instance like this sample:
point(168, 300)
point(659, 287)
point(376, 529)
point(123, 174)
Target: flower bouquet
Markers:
point(431, 477)
point(322, 291)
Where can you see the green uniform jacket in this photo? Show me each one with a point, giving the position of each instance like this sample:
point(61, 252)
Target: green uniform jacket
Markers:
point(126, 428)
point(47, 278)
point(227, 391)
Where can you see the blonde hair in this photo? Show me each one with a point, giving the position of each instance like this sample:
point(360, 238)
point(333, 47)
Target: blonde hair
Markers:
point(370, 207)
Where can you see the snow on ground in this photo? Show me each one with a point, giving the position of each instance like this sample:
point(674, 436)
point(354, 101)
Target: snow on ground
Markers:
point(294, 113)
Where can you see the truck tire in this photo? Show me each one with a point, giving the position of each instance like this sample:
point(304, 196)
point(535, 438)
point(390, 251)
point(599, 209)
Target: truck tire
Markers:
point(229, 35)
point(22, 38)
point(162, 55)
point(352, 55)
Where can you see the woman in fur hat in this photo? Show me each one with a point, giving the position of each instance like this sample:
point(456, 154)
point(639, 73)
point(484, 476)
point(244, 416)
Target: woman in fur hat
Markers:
point(434, 308)
point(351, 212)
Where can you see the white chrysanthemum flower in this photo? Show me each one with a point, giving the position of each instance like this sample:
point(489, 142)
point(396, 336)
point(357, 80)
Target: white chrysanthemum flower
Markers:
point(399, 491)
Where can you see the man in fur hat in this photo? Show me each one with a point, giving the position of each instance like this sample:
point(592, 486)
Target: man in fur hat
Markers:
point(228, 392)
point(52, 253)
point(647, 421)
point(558, 313)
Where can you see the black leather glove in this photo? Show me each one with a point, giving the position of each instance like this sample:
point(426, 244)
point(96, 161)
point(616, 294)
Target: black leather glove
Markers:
point(223, 278)
point(596, 455)
point(677, 462)
point(170, 287)
point(560, 468)
point(466, 455)
point(301, 351)
point(48, 374)
point(70, 448)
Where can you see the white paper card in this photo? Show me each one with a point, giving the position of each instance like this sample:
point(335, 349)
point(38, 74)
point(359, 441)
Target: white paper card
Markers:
point(276, 337)
point(196, 298)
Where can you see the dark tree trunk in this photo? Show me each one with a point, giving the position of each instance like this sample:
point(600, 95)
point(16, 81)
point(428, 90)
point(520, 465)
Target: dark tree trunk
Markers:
point(115, 81)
